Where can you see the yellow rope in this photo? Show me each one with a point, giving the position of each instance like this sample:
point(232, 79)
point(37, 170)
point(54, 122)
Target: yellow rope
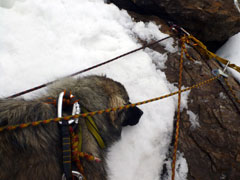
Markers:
point(203, 50)
point(35, 123)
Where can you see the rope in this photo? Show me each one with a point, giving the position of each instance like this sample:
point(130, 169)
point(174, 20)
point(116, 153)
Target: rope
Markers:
point(75, 150)
point(203, 50)
point(35, 123)
point(183, 39)
point(77, 154)
point(87, 69)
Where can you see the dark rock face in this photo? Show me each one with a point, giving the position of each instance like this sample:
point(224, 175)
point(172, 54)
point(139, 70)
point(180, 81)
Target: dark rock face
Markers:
point(212, 150)
point(211, 21)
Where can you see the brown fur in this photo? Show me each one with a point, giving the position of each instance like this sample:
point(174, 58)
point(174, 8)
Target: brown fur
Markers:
point(35, 152)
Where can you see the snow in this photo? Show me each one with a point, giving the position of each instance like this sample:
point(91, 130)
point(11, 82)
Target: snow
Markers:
point(45, 40)
point(193, 118)
point(8, 3)
point(157, 58)
point(181, 168)
point(222, 95)
point(230, 51)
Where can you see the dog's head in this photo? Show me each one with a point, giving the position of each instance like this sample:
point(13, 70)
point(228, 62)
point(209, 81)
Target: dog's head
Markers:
point(99, 92)
point(119, 97)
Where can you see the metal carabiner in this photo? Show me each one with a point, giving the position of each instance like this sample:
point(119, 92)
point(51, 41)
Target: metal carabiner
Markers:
point(59, 108)
point(225, 68)
point(177, 29)
point(217, 72)
point(78, 175)
point(76, 109)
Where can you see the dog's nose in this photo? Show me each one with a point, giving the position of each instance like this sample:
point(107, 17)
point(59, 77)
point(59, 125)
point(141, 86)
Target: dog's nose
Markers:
point(133, 116)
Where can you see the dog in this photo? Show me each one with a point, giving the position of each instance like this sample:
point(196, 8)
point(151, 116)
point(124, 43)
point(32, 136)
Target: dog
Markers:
point(35, 152)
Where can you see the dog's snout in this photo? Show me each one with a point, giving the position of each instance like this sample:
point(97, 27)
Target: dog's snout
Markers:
point(133, 116)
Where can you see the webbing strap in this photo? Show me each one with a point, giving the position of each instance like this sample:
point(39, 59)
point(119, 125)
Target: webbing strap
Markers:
point(92, 127)
point(80, 139)
point(203, 49)
point(66, 150)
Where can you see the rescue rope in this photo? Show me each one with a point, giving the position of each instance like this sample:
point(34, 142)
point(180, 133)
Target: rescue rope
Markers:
point(183, 48)
point(76, 148)
point(88, 69)
point(184, 40)
point(202, 49)
point(35, 123)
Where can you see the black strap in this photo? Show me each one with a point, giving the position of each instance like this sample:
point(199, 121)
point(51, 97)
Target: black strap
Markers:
point(66, 140)
point(66, 150)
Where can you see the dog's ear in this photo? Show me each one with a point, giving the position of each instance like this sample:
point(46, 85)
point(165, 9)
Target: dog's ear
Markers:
point(133, 116)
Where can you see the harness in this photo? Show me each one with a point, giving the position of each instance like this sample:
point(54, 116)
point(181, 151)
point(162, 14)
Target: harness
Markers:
point(71, 135)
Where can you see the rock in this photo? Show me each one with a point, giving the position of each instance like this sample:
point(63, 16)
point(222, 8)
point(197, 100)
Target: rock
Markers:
point(211, 21)
point(212, 149)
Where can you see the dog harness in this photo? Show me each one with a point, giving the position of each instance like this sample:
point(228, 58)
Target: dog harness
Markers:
point(65, 133)
point(65, 100)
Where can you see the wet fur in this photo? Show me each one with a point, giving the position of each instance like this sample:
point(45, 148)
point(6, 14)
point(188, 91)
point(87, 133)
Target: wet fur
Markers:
point(35, 152)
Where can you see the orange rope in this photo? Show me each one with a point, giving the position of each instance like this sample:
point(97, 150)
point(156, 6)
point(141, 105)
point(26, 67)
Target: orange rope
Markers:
point(35, 123)
point(184, 40)
point(178, 109)
point(75, 154)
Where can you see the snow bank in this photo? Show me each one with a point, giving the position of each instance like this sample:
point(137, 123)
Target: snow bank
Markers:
point(45, 40)
point(230, 51)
